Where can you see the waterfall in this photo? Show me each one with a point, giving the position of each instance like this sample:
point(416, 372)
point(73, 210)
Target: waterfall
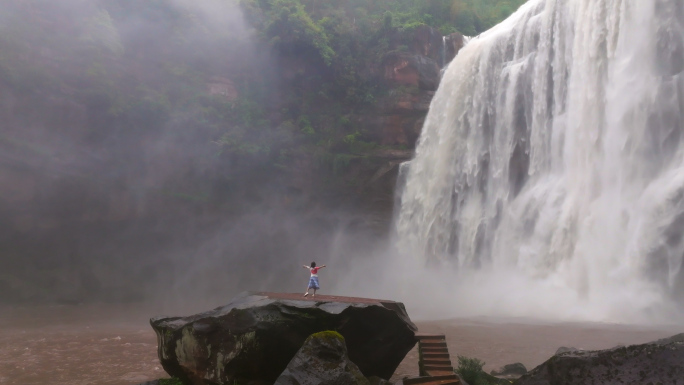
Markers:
point(553, 151)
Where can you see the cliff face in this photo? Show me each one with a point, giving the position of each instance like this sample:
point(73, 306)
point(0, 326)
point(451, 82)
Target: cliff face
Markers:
point(53, 155)
point(113, 150)
point(407, 77)
point(411, 77)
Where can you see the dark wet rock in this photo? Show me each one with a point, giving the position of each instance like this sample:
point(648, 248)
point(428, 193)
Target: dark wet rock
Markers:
point(322, 360)
point(660, 362)
point(452, 44)
point(375, 380)
point(404, 68)
point(665, 341)
point(253, 338)
point(510, 371)
point(564, 349)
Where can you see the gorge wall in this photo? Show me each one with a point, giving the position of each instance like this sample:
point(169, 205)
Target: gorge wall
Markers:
point(137, 152)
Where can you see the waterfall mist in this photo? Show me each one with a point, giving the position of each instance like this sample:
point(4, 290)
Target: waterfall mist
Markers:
point(549, 177)
point(118, 183)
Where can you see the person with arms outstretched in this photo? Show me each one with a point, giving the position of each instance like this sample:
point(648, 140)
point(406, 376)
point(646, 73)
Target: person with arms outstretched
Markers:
point(313, 280)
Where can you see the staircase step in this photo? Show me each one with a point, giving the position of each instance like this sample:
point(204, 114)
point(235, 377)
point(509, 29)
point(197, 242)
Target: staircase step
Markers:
point(438, 374)
point(429, 335)
point(442, 350)
point(431, 338)
point(445, 382)
point(425, 380)
point(437, 362)
point(433, 344)
point(442, 367)
point(427, 355)
point(437, 359)
point(438, 366)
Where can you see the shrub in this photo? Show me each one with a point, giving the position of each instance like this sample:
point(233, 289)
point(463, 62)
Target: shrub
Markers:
point(470, 369)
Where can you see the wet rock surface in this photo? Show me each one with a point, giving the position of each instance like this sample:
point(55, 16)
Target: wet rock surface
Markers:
point(375, 380)
point(322, 360)
point(253, 338)
point(409, 69)
point(565, 349)
point(510, 371)
point(659, 362)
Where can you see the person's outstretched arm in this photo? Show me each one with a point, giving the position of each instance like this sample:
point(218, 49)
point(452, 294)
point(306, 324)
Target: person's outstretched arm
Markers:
point(305, 266)
point(322, 266)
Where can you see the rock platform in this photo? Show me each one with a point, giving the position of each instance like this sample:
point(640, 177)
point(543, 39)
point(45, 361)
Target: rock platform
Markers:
point(252, 339)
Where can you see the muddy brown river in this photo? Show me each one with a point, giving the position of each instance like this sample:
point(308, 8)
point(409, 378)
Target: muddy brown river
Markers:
point(114, 344)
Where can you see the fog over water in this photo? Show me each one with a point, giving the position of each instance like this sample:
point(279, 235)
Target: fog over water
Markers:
point(115, 188)
point(547, 181)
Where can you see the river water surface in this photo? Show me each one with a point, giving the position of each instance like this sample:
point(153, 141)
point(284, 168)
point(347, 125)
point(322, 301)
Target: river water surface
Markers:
point(114, 344)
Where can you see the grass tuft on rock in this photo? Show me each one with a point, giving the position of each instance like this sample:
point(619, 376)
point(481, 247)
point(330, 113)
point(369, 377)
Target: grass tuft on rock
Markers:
point(470, 369)
point(327, 335)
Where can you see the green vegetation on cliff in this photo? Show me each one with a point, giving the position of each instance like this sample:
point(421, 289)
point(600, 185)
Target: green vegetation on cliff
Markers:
point(148, 133)
point(232, 105)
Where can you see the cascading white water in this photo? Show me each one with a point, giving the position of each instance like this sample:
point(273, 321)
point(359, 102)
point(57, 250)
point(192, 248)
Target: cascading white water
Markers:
point(553, 152)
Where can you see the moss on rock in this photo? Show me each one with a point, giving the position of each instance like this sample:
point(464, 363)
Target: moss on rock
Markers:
point(328, 334)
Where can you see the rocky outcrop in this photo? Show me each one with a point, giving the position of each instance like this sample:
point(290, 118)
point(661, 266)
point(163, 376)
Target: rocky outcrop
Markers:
point(565, 349)
point(253, 338)
point(399, 117)
point(452, 44)
point(411, 75)
point(659, 362)
point(322, 360)
point(510, 371)
point(375, 380)
point(404, 68)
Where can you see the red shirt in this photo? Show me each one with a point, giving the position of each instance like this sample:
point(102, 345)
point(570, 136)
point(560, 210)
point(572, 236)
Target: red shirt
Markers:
point(314, 271)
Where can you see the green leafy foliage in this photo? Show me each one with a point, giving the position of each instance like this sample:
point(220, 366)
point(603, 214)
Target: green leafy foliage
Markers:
point(470, 369)
point(351, 35)
point(151, 85)
point(101, 32)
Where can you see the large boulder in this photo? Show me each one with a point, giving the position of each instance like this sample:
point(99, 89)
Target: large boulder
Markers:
point(322, 360)
point(510, 371)
point(660, 362)
point(253, 338)
point(565, 349)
